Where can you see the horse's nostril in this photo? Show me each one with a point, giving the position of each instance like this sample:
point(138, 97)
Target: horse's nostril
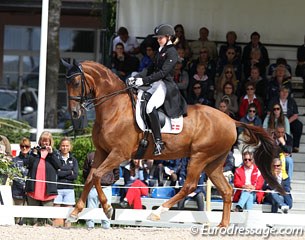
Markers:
point(74, 114)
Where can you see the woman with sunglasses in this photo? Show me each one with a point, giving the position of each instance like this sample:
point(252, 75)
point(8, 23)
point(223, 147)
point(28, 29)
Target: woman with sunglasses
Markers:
point(278, 201)
point(250, 97)
point(251, 117)
point(18, 187)
point(274, 118)
point(247, 178)
point(227, 75)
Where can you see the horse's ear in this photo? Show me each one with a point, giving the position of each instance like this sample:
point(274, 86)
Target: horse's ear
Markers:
point(66, 64)
point(75, 63)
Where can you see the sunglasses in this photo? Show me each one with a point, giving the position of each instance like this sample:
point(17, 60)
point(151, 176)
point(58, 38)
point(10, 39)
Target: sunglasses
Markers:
point(253, 111)
point(203, 51)
point(24, 146)
point(277, 165)
point(247, 159)
point(229, 72)
point(276, 109)
point(196, 88)
point(250, 89)
point(231, 53)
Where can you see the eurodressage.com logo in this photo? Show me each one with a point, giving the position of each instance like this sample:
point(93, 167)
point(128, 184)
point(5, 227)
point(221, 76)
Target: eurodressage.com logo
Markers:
point(234, 230)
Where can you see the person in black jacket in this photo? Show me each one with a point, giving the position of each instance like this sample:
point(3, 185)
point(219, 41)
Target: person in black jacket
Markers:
point(163, 90)
point(43, 164)
point(66, 174)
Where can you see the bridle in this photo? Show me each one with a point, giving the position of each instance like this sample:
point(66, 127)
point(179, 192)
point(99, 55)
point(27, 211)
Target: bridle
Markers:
point(87, 101)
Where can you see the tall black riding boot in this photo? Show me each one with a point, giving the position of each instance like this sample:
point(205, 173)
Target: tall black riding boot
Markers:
point(156, 131)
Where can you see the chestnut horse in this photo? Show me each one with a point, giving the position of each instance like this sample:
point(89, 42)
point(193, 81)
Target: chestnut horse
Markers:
point(207, 137)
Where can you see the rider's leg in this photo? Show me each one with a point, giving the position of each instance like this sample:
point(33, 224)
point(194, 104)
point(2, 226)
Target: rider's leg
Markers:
point(158, 91)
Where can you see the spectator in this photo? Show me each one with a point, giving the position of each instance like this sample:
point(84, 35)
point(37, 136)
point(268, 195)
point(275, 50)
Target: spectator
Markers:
point(181, 78)
point(280, 79)
point(207, 85)
point(300, 69)
point(277, 200)
point(182, 42)
point(131, 45)
point(227, 75)
point(43, 165)
point(203, 41)
point(5, 146)
point(251, 117)
point(248, 178)
point(274, 118)
point(150, 41)
point(264, 57)
point(147, 59)
point(106, 181)
point(224, 106)
point(232, 59)
point(290, 110)
point(279, 61)
point(199, 193)
point(228, 90)
point(135, 176)
point(285, 142)
point(18, 186)
point(196, 95)
point(231, 38)
point(250, 97)
point(255, 60)
point(204, 58)
point(122, 64)
point(166, 169)
point(67, 174)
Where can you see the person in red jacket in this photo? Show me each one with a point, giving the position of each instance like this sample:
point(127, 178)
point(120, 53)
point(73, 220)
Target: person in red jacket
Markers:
point(248, 178)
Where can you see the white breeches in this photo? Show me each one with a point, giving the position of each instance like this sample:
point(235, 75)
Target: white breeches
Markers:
point(158, 91)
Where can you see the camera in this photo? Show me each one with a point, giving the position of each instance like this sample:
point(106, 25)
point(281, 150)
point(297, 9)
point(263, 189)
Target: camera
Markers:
point(39, 147)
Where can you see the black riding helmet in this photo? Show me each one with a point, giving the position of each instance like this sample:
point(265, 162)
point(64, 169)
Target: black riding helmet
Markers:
point(164, 30)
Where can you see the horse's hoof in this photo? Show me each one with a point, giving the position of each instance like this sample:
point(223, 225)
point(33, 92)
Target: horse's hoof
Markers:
point(72, 218)
point(109, 212)
point(153, 217)
point(221, 225)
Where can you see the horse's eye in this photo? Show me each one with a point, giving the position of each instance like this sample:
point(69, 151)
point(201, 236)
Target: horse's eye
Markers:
point(75, 83)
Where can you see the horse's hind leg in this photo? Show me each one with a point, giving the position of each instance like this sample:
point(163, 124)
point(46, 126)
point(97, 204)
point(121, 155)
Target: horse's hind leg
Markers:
point(224, 188)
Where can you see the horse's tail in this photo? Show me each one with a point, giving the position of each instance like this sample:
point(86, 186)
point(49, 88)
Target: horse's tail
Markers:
point(264, 152)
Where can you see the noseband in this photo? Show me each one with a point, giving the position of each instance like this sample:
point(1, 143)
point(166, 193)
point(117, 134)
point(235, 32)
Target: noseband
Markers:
point(87, 101)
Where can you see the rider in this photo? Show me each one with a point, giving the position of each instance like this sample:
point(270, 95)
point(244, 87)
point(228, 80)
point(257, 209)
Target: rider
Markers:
point(163, 88)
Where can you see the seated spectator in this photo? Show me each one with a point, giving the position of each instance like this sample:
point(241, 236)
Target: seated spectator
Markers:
point(274, 118)
point(93, 200)
point(5, 149)
point(277, 81)
point(300, 69)
point(207, 85)
point(224, 106)
point(131, 45)
point(181, 77)
point(228, 75)
point(290, 110)
point(248, 178)
point(277, 200)
point(250, 97)
point(151, 41)
point(147, 59)
point(135, 177)
point(165, 170)
point(255, 60)
point(231, 38)
point(196, 96)
point(259, 82)
point(199, 193)
point(182, 42)
point(228, 90)
point(204, 58)
point(285, 142)
point(203, 41)
point(251, 117)
point(182, 58)
point(232, 59)
point(18, 186)
point(263, 60)
point(279, 61)
point(122, 64)
point(67, 174)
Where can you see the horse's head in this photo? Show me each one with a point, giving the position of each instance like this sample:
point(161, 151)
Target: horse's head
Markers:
point(78, 88)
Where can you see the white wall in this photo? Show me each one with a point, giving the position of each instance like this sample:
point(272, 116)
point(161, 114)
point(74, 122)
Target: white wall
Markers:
point(278, 21)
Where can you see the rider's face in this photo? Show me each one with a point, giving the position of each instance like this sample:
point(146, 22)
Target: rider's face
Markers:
point(162, 40)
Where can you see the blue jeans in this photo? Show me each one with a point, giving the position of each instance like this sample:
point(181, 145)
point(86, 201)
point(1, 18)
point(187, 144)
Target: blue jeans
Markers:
point(289, 166)
point(93, 202)
point(246, 200)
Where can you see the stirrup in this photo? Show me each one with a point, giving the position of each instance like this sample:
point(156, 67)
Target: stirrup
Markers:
point(159, 146)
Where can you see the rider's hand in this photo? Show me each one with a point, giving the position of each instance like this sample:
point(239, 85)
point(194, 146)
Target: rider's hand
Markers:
point(131, 81)
point(139, 82)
